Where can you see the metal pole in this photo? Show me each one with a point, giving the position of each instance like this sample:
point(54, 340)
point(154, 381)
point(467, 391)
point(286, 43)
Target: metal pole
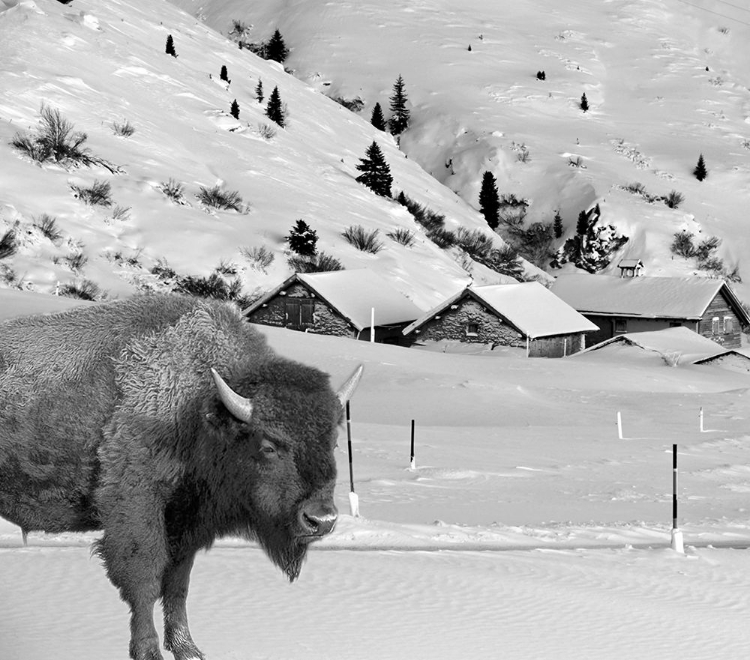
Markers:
point(412, 463)
point(353, 499)
point(674, 486)
point(349, 444)
point(372, 324)
point(677, 541)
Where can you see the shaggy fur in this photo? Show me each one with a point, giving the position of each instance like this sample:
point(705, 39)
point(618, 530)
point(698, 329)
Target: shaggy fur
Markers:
point(109, 419)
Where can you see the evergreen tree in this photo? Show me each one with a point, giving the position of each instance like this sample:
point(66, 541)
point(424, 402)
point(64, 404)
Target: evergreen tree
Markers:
point(302, 239)
point(700, 172)
point(274, 109)
point(376, 174)
point(377, 119)
point(259, 91)
point(235, 109)
point(276, 48)
point(489, 200)
point(224, 75)
point(584, 102)
point(170, 46)
point(399, 121)
point(582, 226)
point(557, 225)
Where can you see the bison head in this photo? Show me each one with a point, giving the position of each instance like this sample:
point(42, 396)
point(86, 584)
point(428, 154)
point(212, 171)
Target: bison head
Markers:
point(285, 420)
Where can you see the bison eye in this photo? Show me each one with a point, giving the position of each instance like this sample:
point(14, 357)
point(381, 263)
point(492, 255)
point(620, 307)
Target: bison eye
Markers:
point(268, 448)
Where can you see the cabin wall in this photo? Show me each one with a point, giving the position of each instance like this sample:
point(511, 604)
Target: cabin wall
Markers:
point(325, 321)
point(558, 346)
point(612, 326)
point(727, 331)
point(456, 325)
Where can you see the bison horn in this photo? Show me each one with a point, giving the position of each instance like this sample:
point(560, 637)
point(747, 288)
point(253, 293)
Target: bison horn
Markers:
point(346, 391)
point(239, 406)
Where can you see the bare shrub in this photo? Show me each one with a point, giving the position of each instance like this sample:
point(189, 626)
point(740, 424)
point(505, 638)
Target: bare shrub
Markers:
point(319, 263)
point(8, 244)
point(85, 290)
point(682, 244)
point(175, 191)
point(225, 200)
point(674, 199)
point(98, 193)
point(260, 258)
point(443, 238)
point(226, 268)
point(576, 161)
point(474, 243)
point(121, 213)
point(266, 131)
point(403, 236)
point(126, 129)
point(56, 141)
point(364, 240)
point(76, 261)
point(48, 226)
point(355, 105)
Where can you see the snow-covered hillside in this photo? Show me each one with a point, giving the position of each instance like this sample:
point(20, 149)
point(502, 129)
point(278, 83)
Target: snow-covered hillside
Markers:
point(102, 65)
point(666, 80)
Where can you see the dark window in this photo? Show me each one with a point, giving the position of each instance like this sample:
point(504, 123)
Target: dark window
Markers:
point(472, 329)
point(299, 313)
point(621, 326)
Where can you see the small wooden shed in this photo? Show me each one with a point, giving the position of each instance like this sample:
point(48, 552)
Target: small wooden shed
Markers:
point(639, 304)
point(524, 315)
point(344, 303)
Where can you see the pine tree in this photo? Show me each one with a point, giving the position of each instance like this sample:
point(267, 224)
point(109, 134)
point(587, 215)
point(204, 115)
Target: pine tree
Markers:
point(259, 91)
point(584, 102)
point(582, 226)
point(302, 239)
point(235, 109)
point(376, 174)
point(399, 121)
point(557, 225)
point(377, 119)
point(276, 48)
point(170, 46)
point(274, 108)
point(489, 200)
point(700, 172)
point(224, 75)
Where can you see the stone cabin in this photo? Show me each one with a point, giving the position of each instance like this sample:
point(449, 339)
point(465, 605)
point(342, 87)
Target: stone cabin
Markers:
point(639, 304)
point(523, 315)
point(342, 303)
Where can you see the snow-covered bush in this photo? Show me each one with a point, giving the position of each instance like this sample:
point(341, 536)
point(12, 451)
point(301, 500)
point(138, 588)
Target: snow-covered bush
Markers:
point(48, 226)
point(8, 245)
point(260, 258)
point(320, 263)
point(126, 129)
point(175, 191)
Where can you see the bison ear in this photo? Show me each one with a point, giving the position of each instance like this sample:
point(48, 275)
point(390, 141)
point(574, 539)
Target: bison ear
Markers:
point(346, 391)
point(240, 407)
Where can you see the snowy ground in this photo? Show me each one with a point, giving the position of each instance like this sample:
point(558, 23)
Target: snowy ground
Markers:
point(527, 529)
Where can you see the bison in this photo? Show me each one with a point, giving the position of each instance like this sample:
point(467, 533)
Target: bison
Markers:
point(165, 422)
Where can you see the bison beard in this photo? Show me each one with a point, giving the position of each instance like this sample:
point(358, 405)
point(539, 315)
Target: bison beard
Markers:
point(283, 549)
point(114, 417)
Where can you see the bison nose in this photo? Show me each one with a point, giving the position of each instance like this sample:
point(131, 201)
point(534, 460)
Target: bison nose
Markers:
point(318, 519)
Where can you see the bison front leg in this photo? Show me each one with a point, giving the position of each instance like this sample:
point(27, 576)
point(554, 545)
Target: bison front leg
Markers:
point(134, 550)
point(175, 585)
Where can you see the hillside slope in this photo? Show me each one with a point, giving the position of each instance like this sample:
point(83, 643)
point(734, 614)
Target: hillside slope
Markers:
point(105, 64)
point(666, 81)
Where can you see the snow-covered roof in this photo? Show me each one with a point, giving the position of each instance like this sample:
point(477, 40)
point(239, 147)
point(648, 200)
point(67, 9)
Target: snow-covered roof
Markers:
point(529, 307)
point(353, 293)
point(14, 303)
point(645, 297)
point(683, 341)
